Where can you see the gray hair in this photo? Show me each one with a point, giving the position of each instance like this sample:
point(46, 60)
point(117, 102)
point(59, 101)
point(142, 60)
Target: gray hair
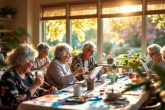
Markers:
point(88, 44)
point(154, 48)
point(23, 54)
point(62, 49)
point(42, 47)
point(163, 50)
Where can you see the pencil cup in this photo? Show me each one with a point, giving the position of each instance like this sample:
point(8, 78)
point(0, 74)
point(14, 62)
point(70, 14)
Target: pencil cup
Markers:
point(90, 84)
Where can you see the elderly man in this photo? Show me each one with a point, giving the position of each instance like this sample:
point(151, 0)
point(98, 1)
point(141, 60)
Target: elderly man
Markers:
point(85, 59)
point(59, 73)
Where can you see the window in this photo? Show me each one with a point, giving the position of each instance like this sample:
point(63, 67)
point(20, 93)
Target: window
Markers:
point(111, 24)
point(83, 30)
point(155, 29)
point(121, 35)
point(55, 32)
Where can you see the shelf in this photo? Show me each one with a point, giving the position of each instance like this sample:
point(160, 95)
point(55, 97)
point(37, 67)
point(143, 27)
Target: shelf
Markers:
point(5, 30)
point(2, 42)
point(5, 19)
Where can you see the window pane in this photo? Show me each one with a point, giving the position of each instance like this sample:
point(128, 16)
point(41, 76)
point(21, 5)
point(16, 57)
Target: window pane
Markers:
point(110, 7)
point(121, 35)
point(156, 29)
point(55, 32)
point(83, 30)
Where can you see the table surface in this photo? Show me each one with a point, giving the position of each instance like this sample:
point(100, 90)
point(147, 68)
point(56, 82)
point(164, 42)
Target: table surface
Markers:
point(58, 101)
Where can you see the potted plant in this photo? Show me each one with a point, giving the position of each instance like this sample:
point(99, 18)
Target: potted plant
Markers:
point(8, 12)
point(156, 89)
point(12, 40)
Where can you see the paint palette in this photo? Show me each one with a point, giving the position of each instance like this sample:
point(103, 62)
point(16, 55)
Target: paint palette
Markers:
point(77, 99)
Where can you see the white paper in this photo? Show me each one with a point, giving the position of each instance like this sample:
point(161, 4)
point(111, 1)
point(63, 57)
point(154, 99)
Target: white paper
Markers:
point(94, 72)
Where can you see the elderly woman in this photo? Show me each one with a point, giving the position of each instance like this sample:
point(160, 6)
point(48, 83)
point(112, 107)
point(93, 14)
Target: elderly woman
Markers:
point(20, 84)
point(42, 61)
point(155, 56)
point(58, 72)
point(155, 59)
point(85, 59)
point(163, 53)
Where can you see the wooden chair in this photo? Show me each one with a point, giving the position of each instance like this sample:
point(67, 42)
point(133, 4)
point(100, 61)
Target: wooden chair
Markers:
point(153, 107)
point(6, 108)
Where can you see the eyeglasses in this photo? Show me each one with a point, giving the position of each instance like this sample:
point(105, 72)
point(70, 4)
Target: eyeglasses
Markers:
point(151, 54)
point(90, 50)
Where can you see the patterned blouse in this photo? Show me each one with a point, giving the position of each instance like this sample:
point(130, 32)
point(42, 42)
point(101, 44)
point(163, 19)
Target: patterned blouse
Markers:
point(37, 65)
point(17, 89)
point(79, 62)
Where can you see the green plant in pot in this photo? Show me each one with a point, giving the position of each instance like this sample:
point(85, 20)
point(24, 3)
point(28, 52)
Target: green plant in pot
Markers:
point(156, 89)
point(8, 12)
point(12, 40)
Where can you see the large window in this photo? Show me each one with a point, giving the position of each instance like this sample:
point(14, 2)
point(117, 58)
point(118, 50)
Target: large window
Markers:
point(121, 35)
point(83, 30)
point(54, 33)
point(115, 26)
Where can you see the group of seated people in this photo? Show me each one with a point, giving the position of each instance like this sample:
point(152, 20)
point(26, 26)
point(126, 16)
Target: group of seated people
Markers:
point(19, 85)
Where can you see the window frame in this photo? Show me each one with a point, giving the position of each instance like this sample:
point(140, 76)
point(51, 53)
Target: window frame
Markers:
point(99, 17)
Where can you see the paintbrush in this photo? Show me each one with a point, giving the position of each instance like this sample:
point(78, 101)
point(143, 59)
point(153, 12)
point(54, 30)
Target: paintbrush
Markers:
point(36, 74)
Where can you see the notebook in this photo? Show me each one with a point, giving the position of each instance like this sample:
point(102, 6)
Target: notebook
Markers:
point(94, 72)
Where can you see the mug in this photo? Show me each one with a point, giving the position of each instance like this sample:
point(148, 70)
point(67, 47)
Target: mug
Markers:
point(77, 90)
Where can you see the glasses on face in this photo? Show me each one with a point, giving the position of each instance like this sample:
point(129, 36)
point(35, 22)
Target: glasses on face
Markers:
point(152, 54)
point(90, 50)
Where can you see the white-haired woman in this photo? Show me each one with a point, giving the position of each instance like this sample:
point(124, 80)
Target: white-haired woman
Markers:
point(42, 61)
point(85, 59)
point(153, 51)
point(58, 72)
point(21, 86)
point(163, 53)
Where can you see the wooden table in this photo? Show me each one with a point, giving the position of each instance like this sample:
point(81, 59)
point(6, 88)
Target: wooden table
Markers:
point(58, 101)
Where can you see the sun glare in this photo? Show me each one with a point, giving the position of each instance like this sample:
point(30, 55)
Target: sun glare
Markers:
point(127, 9)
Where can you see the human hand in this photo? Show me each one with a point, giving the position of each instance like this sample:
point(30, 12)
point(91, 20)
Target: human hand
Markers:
point(104, 70)
point(38, 81)
point(52, 90)
point(82, 70)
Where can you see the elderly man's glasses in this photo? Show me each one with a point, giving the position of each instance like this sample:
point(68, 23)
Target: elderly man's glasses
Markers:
point(90, 50)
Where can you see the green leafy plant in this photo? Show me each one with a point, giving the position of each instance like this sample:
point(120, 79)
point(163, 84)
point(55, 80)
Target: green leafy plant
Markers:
point(154, 88)
point(12, 40)
point(75, 52)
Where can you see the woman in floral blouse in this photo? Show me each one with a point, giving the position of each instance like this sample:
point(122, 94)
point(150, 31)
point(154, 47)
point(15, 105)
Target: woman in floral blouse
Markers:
point(85, 59)
point(20, 85)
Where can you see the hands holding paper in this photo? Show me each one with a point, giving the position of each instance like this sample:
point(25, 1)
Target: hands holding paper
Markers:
point(81, 70)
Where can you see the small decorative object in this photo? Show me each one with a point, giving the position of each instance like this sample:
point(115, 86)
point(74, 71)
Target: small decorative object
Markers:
point(112, 97)
point(8, 12)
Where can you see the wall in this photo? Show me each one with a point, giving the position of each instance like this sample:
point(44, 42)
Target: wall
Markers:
point(28, 16)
